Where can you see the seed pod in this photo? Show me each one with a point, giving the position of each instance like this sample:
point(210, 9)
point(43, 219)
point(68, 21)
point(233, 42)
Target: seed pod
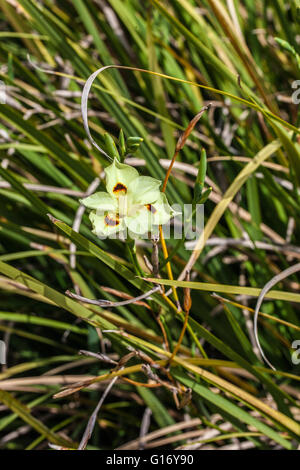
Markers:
point(187, 396)
point(187, 301)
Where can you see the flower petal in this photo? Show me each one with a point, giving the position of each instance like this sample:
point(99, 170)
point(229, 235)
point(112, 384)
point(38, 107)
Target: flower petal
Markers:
point(144, 190)
point(106, 224)
point(140, 223)
point(149, 216)
point(161, 211)
point(101, 201)
point(118, 177)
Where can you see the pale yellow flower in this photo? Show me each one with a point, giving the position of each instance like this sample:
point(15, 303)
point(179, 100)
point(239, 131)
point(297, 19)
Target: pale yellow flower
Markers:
point(131, 201)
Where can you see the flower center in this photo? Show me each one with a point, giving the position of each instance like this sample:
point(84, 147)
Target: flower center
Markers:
point(119, 188)
point(111, 221)
point(150, 208)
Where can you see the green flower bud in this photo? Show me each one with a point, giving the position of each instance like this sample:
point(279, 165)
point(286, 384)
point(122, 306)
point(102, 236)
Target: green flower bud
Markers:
point(204, 196)
point(133, 144)
point(199, 184)
point(111, 147)
point(122, 144)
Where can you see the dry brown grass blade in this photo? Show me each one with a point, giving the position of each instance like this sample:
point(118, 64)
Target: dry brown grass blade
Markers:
point(160, 432)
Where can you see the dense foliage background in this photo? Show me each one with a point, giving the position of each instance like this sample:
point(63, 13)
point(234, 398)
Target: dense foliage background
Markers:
point(242, 58)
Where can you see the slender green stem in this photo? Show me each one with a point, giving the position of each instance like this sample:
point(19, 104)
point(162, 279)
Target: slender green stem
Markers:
point(131, 249)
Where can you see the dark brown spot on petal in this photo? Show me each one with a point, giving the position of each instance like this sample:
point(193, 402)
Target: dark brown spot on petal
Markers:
point(151, 208)
point(111, 221)
point(119, 187)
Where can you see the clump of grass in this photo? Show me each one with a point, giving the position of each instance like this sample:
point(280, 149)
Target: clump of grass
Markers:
point(240, 57)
